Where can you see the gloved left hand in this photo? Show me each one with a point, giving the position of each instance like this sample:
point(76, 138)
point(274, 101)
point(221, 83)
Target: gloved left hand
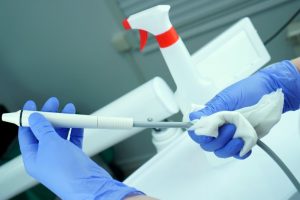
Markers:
point(60, 164)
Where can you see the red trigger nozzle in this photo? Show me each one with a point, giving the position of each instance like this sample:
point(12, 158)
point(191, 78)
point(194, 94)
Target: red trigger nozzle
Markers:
point(126, 24)
point(143, 39)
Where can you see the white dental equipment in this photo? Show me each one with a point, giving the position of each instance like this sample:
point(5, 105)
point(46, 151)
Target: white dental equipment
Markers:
point(248, 51)
point(20, 118)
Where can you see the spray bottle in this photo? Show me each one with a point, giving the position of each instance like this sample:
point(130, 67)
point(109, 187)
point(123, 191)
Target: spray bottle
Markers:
point(192, 88)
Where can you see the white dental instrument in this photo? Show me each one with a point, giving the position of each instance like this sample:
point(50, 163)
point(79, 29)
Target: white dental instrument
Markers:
point(20, 118)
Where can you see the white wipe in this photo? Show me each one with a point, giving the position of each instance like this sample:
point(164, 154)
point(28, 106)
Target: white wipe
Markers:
point(251, 122)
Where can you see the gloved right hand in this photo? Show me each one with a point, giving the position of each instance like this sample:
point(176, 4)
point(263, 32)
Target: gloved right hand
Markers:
point(60, 164)
point(246, 93)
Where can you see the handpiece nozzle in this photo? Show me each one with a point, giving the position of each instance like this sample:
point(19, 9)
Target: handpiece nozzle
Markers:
point(11, 117)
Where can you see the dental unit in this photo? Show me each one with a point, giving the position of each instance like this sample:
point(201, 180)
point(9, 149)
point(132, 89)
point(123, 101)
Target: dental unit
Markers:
point(191, 87)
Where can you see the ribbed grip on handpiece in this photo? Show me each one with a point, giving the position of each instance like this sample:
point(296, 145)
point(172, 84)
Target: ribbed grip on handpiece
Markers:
point(115, 123)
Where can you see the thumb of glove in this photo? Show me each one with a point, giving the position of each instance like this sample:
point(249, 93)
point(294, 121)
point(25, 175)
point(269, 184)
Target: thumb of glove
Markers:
point(216, 104)
point(41, 127)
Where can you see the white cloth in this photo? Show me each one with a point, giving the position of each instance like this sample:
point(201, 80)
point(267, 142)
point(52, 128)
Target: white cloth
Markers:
point(251, 122)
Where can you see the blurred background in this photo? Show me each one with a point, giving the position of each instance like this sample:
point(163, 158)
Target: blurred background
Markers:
point(78, 51)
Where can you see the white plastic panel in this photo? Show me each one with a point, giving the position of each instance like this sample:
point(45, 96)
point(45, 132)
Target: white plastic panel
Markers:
point(232, 56)
point(182, 171)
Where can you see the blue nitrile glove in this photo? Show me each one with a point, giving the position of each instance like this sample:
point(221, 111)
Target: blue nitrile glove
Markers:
point(246, 93)
point(60, 164)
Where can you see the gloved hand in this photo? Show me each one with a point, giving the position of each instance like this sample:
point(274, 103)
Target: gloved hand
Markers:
point(246, 93)
point(60, 164)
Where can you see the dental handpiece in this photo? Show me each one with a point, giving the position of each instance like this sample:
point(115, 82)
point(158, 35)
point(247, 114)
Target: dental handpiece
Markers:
point(20, 118)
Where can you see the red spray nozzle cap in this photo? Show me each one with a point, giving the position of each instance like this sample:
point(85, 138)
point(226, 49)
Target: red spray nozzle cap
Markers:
point(126, 24)
point(143, 34)
point(153, 20)
point(143, 39)
point(164, 39)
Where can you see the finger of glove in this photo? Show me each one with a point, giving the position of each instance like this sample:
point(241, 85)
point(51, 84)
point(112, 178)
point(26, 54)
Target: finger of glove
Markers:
point(226, 133)
point(200, 139)
point(233, 147)
point(200, 113)
point(26, 137)
point(237, 156)
point(41, 127)
point(63, 132)
point(76, 137)
point(51, 105)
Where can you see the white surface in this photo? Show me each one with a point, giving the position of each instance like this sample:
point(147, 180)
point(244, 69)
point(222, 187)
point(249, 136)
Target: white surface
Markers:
point(232, 56)
point(182, 171)
point(153, 99)
point(165, 137)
